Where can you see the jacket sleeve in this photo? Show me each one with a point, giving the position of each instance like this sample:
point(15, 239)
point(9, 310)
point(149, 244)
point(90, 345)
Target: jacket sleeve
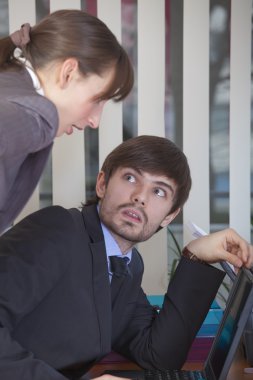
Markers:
point(162, 340)
point(24, 281)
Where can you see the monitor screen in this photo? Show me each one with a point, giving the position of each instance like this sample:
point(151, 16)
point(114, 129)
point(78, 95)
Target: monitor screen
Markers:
point(229, 324)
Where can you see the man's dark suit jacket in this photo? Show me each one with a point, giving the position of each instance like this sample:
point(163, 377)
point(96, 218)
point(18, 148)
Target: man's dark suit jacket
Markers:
point(55, 306)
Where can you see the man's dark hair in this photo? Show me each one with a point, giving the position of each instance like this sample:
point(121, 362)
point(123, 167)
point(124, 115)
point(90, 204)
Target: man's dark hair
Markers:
point(154, 155)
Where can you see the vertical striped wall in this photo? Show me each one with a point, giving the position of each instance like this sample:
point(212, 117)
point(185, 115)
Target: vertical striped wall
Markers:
point(68, 153)
point(196, 112)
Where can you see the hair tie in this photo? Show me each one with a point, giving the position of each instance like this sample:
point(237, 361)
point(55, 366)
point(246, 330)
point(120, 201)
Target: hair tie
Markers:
point(22, 36)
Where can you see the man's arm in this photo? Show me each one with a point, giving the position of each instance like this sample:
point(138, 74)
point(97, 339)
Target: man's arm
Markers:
point(163, 340)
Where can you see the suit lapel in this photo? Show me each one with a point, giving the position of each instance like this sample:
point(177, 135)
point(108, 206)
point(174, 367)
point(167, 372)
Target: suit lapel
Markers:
point(101, 285)
point(128, 291)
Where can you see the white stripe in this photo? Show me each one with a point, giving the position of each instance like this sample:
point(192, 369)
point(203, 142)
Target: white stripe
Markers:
point(68, 153)
point(151, 67)
point(20, 14)
point(64, 4)
point(111, 124)
point(196, 109)
point(69, 170)
point(240, 137)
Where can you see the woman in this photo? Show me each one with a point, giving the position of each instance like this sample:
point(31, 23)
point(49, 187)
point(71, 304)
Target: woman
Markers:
point(54, 77)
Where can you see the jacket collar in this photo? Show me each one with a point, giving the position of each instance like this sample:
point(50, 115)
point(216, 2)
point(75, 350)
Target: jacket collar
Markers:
point(100, 275)
point(92, 223)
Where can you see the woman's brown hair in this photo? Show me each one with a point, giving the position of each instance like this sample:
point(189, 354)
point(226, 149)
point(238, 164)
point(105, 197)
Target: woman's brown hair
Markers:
point(76, 34)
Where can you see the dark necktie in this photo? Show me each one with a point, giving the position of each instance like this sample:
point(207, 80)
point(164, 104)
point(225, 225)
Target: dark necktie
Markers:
point(119, 268)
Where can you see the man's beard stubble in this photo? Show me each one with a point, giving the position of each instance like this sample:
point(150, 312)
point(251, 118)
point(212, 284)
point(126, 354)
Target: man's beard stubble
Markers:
point(127, 230)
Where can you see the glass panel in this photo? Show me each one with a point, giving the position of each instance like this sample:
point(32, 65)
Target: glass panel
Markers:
point(42, 9)
point(219, 113)
point(89, 6)
point(4, 18)
point(129, 42)
point(174, 71)
point(91, 161)
point(91, 135)
point(174, 93)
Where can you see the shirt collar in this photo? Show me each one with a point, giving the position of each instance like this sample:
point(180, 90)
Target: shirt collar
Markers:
point(111, 246)
point(31, 71)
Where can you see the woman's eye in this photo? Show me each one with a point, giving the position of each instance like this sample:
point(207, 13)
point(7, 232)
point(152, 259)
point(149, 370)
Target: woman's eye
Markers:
point(160, 192)
point(130, 178)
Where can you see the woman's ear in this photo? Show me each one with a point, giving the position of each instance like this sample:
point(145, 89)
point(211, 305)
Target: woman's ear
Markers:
point(169, 218)
point(68, 70)
point(100, 185)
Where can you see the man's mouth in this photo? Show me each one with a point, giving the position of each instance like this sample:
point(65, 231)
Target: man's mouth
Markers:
point(133, 215)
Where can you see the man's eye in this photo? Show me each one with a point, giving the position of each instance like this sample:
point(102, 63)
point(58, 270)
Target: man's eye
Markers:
point(160, 192)
point(130, 178)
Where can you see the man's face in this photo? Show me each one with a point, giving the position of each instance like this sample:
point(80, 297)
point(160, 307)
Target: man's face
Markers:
point(134, 204)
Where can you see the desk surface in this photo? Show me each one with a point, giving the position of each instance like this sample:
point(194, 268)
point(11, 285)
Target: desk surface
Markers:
point(235, 373)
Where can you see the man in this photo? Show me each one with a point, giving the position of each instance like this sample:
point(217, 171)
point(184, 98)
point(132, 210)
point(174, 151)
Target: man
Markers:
point(57, 315)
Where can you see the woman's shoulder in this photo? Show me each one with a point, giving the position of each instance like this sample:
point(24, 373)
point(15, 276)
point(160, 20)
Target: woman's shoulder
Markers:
point(17, 91)
point(18, 81)
point(27, 116)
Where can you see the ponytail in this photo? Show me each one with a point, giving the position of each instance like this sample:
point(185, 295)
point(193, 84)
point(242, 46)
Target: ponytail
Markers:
point(20, 39)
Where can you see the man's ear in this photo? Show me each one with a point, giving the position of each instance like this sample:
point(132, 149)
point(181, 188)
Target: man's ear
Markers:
point(68, 70)
point(169, 218)
point(100, 185)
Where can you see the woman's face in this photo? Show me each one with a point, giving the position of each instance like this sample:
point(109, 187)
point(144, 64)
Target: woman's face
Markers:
point(75, 97)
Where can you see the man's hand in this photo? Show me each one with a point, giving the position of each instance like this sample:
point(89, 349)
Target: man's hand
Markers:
point(225, 245)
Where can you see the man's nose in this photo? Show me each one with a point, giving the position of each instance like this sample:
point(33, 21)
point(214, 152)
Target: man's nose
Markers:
point(140, 197)
point(138, 200)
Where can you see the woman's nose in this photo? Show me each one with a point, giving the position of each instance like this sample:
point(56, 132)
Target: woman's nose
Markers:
point(95, 117)
point(93, 122)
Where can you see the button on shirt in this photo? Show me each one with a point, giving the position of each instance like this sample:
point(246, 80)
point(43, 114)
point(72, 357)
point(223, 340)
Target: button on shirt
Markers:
point(112, 248)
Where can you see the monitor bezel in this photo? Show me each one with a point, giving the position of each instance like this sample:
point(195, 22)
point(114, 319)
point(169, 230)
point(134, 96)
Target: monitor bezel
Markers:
point(247, 308)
